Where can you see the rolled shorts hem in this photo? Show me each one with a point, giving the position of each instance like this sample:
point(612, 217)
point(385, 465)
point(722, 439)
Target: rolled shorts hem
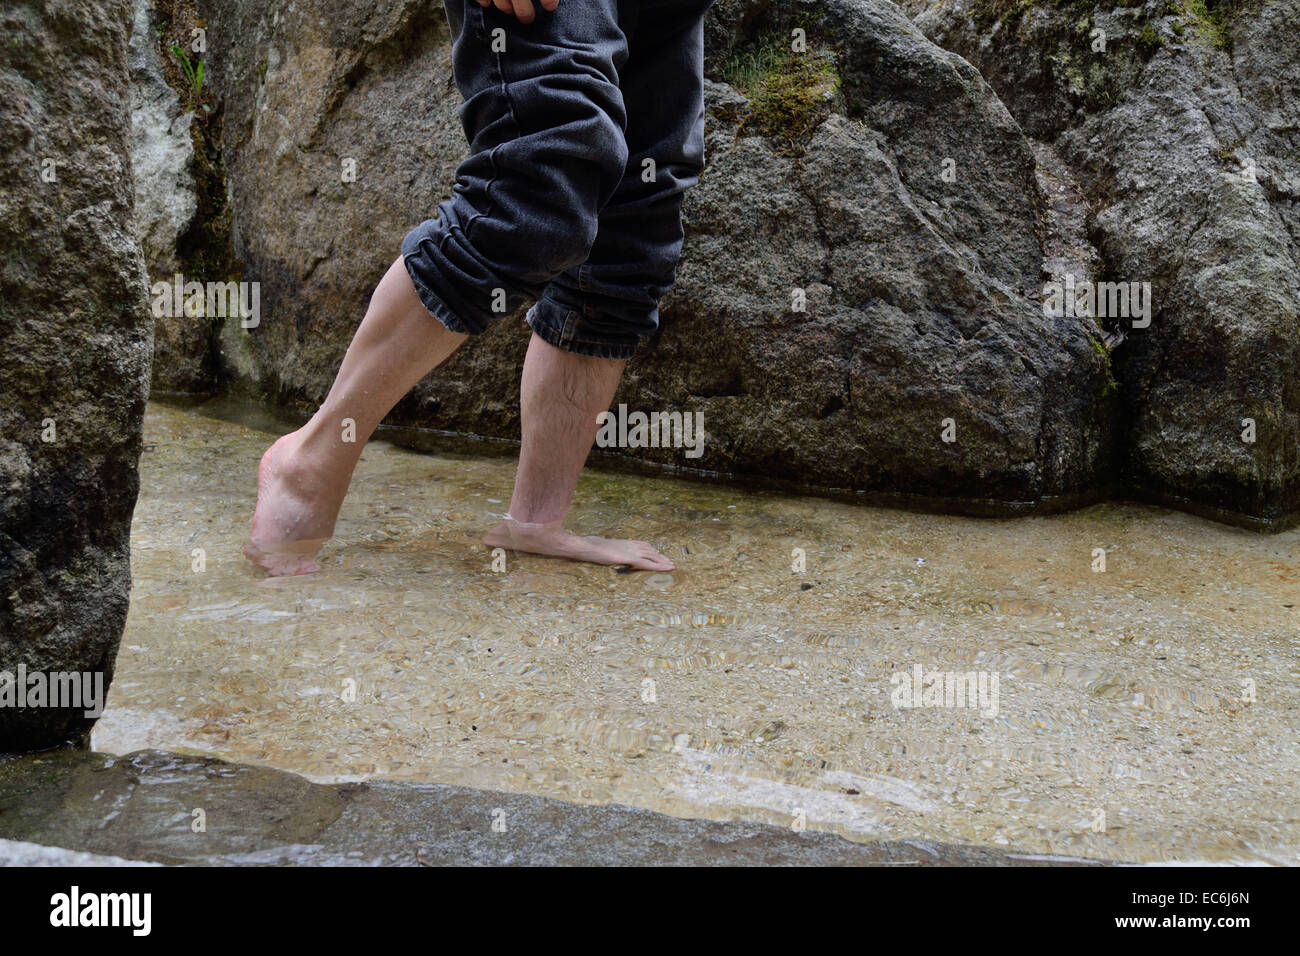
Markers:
point(560, 327)
point(431, 300)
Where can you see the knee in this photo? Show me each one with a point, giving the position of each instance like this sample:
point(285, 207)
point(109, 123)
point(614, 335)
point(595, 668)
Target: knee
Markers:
point(540, 248)
point(587, 156)
point(531, 206)
point(562, 228)
point(604, 154)
point(570, 245)
point(609, 154)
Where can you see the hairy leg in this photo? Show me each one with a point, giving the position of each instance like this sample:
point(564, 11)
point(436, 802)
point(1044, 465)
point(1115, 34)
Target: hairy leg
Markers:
point(560, 396)
point(304, 476)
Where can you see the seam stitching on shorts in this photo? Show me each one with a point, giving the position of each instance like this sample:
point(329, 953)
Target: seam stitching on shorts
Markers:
point(510, 108)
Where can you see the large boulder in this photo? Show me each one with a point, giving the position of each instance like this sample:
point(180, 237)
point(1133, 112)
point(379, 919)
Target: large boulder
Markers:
point(829, 183)
point(911, 218)
point(162, 149)
point(1184, 130)
point(75, 346)
point(166, 202)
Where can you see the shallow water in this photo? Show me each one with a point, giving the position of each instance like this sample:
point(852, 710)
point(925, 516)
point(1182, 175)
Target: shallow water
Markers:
point(734, 687)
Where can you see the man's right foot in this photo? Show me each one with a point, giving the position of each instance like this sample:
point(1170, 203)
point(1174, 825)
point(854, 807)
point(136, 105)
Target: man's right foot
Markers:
point(553, 541)
point(294, 516)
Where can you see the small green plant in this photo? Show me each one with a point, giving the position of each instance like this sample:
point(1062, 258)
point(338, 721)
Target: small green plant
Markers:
point(1207, 24)
point(1228, 151)
point(1099, 347)
point(746, 70)
point(193, 71)
point(789, 92)
point(1148, 40)
point(1212, 19)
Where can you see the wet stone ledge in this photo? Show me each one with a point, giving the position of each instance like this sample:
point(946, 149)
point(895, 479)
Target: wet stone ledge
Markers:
point(153, 806)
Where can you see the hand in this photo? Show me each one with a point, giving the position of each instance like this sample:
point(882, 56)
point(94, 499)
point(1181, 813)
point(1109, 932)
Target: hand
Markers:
point(523, 9)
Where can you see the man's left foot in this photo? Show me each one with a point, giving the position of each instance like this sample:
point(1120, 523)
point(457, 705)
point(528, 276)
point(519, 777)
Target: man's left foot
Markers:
point(295, 512)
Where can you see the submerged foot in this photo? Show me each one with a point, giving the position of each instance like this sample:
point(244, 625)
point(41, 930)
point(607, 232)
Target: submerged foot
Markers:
point(294, 516)
point(553, 541)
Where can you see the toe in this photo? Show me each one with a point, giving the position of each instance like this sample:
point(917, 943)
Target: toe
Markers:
point(653, 559)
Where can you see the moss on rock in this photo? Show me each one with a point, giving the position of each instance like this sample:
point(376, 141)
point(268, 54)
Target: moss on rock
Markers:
point(790, 90)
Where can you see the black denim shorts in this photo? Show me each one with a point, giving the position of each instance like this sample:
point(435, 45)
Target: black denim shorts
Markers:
point(586, 127)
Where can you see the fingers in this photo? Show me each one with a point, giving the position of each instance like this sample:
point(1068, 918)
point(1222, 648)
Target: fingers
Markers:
point(521, 9)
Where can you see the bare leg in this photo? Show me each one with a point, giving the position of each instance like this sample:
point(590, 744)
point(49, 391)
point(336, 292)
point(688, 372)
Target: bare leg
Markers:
point(560, 396)
point(304, 476)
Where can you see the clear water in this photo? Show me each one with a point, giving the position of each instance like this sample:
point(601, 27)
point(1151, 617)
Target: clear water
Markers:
point(735, 687)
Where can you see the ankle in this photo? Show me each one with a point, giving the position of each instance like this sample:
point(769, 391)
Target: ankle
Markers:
point(530, 526)
point(300, 470)
point(325, 447)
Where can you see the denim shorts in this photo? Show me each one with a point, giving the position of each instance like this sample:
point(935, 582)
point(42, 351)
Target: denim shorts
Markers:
point(585, 127)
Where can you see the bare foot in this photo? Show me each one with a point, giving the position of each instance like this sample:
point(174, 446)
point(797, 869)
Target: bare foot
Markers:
point(294, 516)
point(554, 541)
